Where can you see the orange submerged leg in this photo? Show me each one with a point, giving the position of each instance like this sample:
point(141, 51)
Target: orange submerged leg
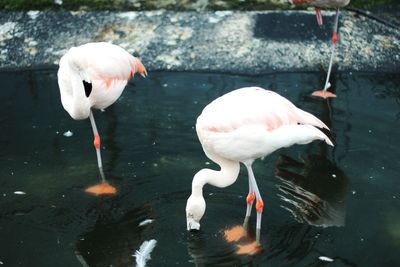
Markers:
point(324, 94)
point(235, 233)
point(101, 189)
point(249, 248)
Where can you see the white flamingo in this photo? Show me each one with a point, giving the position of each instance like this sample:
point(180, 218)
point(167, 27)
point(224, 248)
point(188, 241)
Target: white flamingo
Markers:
point(93, 76)
point(241, 126)
point(336, 4)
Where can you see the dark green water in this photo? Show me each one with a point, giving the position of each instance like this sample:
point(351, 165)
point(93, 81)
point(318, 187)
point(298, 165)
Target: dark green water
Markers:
point(342, 203)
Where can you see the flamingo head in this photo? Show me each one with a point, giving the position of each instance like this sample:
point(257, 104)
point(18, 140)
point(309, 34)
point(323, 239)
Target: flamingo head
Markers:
point(195, 208)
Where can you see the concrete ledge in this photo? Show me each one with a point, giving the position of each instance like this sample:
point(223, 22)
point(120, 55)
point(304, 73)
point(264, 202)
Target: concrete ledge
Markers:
point(225, 41)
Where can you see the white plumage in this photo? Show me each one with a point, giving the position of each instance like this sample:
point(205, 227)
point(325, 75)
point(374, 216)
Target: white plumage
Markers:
point(251, 122)
point(94, 75)
point(241, 126)
point(106, 66)
point(143, 254)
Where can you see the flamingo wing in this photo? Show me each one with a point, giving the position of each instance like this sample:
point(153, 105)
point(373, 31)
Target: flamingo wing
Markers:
point(104, 61)
point(253, 106)
point(250, 123)
point(94, 75)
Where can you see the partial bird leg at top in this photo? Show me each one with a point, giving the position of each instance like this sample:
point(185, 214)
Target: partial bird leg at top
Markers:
point(259, 201)
point(333, 48)
point(324, 93)
point(319, 16)
point(104, 187)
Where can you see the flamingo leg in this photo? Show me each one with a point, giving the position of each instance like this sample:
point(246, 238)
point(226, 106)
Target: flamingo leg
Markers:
point(259, 202)
point(323, 93)
point(96, 143)
point(249, 200)
point(103, 188)
point(333, 48)
point(319, 16)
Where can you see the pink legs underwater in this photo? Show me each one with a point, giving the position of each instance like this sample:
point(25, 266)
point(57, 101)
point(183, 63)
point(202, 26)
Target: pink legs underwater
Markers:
point(254, 193)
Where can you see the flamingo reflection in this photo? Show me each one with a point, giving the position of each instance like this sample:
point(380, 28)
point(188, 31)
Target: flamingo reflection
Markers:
point(313, 190)
point(112, 241)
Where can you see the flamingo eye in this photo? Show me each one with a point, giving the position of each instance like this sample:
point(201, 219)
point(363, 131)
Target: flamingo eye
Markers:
point(88, 88)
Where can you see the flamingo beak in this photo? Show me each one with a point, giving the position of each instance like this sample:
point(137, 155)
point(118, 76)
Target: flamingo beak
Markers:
point(192, 224)
point(140, 68)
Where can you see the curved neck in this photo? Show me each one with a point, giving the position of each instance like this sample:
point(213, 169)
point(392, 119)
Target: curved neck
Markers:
point(222, 178)
point(72, 91)
point(77, 75)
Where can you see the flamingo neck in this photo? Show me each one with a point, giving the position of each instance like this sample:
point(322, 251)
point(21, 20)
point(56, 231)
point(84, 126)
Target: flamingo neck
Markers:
point(72, 90)
point(222, 178)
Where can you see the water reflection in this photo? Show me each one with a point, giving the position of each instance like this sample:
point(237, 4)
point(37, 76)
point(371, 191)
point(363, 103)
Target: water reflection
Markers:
point(313, 190)
point(152, 150)
point(112, 242)
point(210, 251)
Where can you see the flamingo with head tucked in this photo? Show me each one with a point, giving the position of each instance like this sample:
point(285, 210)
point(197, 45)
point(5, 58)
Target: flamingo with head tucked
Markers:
point(93, 76)
point(336, 4)
point(241, 126)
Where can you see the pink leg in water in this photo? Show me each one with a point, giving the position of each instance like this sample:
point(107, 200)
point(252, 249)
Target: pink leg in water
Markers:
point(324, 93)
point(249, 200)
point(259, 202)
point(103, 188)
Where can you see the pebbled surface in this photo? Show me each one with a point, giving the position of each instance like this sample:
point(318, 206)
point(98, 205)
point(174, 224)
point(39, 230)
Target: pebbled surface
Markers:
point(223, 41)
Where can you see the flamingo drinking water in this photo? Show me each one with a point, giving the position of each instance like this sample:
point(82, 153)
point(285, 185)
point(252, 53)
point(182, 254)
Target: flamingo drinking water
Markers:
point(93, 76)
point(241, 126)
point(336, 4)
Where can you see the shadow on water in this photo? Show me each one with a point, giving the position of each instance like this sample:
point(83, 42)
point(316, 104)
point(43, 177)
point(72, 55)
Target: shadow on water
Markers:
point(151, 153)
point(314, 190)
point(206, 251)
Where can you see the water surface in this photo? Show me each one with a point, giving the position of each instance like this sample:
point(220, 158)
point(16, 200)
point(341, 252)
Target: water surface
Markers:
point(340, 202)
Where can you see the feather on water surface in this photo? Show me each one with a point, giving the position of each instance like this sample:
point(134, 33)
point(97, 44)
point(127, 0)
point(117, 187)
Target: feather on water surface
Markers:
point(143, 254)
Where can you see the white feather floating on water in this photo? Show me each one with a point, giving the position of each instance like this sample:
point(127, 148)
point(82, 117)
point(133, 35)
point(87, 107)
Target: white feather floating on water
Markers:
point(19, 193)
point(143, 254)
point(68, 133)
point(324, 258)
point(145, 222)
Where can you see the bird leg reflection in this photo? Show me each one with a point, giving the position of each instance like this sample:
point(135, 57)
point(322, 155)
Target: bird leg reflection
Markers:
point(314, 189)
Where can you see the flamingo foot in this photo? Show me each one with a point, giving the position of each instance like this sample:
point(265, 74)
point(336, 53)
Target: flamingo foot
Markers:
point(101, 189)
point(324, 94)
point(249, 249)
point(235, 233)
